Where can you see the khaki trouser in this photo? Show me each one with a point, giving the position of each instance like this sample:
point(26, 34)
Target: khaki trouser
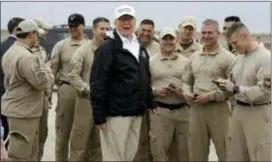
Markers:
point(143, 153)
point(208, 121)
point(64, 120)
point(250, 137)
point(164, 128)
point(43, 132)
point(120, 138)
point(23, 139)
point(85, 140)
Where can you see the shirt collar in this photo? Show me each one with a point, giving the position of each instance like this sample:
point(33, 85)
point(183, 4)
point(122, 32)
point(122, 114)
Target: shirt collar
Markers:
point(77, 42)
point(174, 57)
point(213, 53)
point(126, 40)
point(192, 47)
point(22, 44)
point(94, 46)
point(13, 36)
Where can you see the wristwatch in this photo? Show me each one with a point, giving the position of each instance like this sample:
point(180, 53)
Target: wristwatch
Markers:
point(236, 89)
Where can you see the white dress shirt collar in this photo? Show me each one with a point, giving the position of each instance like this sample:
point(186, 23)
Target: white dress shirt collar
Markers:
point(132, 45)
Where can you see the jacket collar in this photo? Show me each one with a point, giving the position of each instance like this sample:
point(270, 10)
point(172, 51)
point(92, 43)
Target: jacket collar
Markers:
point(118, 44)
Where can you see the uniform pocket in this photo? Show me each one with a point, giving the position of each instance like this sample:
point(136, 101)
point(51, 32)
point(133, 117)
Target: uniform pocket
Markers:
point(19, 146)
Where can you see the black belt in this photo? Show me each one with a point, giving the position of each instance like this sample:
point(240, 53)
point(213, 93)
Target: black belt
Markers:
point(171, 106)
point(64, 82)
point(248, 104)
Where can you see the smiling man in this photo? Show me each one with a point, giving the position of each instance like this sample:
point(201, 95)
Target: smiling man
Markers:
point(172, 123)
point(145, 36)
point(120, 88)
point(62, 53)
point(84, 136)
point(209, 110)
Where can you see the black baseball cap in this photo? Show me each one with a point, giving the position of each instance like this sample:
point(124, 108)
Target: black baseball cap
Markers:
point(76, 19)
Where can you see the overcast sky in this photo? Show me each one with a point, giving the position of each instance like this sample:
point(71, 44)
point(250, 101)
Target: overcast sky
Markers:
point(256, 15)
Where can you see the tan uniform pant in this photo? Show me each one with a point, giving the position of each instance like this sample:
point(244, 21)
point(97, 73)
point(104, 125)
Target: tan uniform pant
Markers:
point(209, 121)
point(165, 127)
point(120, 138)
point(64, 119)
point(85, 140)
point(250, 137)
point(43, 132)
point(143, 153)
point(23, 139)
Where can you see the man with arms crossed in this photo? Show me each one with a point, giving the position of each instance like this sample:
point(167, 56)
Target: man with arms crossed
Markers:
point(120, 88)
point(209, 109)
point(251, 85)
point(85, 137)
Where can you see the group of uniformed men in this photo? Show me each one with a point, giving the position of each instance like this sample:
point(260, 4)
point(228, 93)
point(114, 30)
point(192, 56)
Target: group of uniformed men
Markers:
point(203, 92)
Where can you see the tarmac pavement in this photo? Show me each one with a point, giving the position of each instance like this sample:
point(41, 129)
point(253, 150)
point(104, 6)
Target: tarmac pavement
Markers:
point(49, 152)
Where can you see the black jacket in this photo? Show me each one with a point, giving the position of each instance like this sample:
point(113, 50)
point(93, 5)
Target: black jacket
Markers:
point(5, 45)
point(120, 84)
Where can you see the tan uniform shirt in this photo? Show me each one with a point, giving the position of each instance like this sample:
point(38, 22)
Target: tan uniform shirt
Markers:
point(153, 48)
point(188, 52)
point(25, 82)
point(202, 69)
point(224, 43)
point(81, 66)
point(41, 53)
point(62, 53)
point(249, 72)
point(165, 71)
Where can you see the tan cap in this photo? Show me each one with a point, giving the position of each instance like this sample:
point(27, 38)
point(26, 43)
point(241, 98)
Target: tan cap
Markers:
point(124, 10)
point(42, 23)
point(188, 21)
point(168, 31)
point(27, 26)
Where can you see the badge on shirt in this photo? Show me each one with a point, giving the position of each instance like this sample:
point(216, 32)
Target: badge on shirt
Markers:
point(267, 82)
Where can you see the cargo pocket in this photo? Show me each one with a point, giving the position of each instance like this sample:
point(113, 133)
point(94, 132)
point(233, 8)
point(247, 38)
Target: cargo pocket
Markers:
point(263, 150)
point(20, 146)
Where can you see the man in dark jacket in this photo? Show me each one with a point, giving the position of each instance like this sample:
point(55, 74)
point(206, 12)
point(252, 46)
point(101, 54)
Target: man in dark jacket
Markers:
point(5, 45)
point(120, 89)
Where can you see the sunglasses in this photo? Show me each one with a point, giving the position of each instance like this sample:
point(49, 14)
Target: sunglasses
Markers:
point(73, 25)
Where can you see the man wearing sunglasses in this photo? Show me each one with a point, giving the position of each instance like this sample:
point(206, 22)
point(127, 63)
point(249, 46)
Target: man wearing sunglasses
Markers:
point(62, 53)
